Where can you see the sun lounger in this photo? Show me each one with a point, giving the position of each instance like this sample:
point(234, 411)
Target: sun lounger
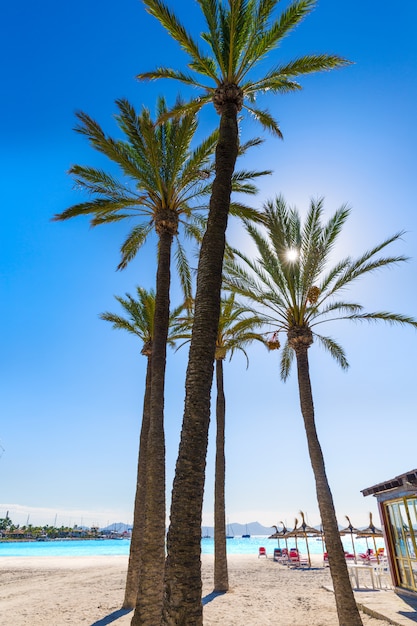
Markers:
point(296, 560)
point(262, 552)
point(277, 554)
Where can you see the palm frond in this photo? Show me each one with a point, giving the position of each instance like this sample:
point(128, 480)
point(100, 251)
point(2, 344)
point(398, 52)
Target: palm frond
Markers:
point(255, 284)
point(183, 270)
point(334, 349)
point(237, 209)
point(267, 38)
point(119, 322)
point(97, 181)
point(97, 207)
point(133, 243)
point(177, 31)
point(384, 316)
point(109, 217)
point(117, 151)
point(359, 268)
point(199, 165)
point(195, 228)
point(167, 72)
point(266, 120)
point(214, 38)
point(244, 175)
point(308, 64)
point(191, 107)
point(320, 313)
point(287, 357)
point(332, 275)
point(251, 143)
point(275, 84)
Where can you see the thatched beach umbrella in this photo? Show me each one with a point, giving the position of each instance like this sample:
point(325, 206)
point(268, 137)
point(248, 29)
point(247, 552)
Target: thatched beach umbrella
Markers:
point(276, 534)
point(292, 533)
point(279, 534)
point(309, 531)
point(304, 531)
point(371, 532)
point(350, 530)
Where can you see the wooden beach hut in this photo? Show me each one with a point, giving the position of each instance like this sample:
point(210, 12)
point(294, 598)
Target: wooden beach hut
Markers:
point(397, 505)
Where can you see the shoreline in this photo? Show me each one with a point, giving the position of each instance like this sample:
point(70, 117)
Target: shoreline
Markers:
point(74, 590)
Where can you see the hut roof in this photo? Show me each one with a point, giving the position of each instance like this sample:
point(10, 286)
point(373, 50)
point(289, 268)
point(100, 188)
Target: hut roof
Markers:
point(403, 480)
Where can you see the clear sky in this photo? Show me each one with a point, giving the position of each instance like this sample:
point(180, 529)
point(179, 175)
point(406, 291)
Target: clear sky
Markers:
point(72, 388)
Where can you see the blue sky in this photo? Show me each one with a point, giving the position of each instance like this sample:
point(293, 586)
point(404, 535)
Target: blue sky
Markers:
point(71, 387)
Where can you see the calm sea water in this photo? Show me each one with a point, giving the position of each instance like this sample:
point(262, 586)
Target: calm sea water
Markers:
point(120, 547)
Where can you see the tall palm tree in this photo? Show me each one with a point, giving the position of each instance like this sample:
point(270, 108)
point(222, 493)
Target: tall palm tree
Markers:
point(161, 178)
point(240, 33)
point(139, 321)
point(291, 283)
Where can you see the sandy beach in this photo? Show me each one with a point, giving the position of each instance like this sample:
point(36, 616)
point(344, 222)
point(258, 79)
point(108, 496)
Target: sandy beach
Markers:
point(57, 591)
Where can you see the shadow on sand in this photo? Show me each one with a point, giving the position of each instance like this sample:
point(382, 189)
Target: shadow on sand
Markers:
point(210, 597)
point(120, 612)
point(112, 617)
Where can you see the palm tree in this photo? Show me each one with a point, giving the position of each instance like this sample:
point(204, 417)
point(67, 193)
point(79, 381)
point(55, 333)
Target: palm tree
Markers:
point(291, 284)
point(139, 321)
point(164, 178)
point(239, 36)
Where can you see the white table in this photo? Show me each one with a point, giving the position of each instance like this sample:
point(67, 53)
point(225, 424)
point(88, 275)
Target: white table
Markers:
point(355, 570)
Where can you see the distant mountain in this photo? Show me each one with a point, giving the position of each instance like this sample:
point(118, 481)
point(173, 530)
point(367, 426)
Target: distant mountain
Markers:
point(253, 528)
point(119, 527)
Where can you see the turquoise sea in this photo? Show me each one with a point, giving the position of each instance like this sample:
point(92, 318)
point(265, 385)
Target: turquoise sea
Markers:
point(118, 547)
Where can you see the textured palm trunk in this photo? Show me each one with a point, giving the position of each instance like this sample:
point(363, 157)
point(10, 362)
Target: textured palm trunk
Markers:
point(182, 599)
point(150, 592)
point(347, 610)
point(136, 548)
point(221, 580)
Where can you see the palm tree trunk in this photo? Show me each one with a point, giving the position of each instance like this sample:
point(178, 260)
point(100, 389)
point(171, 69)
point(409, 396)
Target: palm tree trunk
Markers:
point(136, 548)
point(347, 610)
point(182, 598)
point(221, 581)
point(150, 592)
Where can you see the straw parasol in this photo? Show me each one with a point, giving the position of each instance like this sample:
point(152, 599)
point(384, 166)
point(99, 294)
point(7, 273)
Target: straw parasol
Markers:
point(304, 531)
point(292, 533)
point(309, 531)
point(276, 534)
point(350, 530)
point(279, 534)
point(371, 532)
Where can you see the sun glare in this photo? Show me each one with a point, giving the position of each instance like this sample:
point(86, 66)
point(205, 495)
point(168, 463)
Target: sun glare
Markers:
point(292, 254)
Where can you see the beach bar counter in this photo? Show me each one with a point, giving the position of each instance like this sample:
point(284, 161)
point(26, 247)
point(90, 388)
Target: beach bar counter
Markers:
point(397, 504)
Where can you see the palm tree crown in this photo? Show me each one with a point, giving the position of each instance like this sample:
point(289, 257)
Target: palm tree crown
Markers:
point(236, 328)
point(161, 178)
point(291, 283)
point(139, 319)
point(240, 34)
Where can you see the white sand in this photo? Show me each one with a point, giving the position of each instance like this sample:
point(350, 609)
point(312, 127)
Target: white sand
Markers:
point(56, 591)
